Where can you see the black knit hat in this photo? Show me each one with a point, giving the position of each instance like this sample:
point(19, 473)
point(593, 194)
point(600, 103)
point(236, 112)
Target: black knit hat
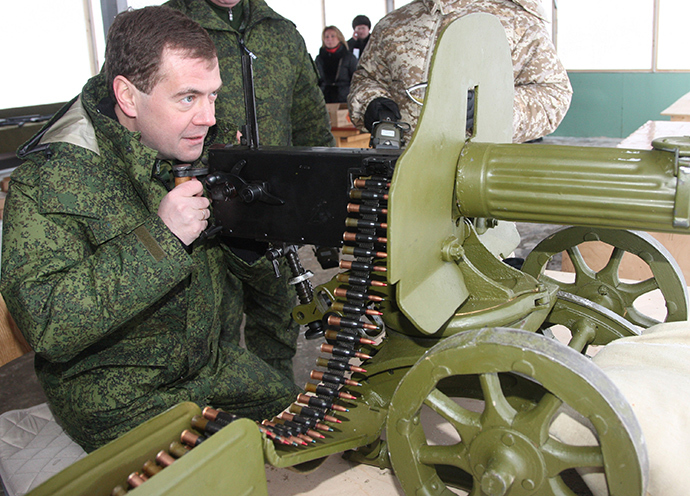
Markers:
point(361, 20)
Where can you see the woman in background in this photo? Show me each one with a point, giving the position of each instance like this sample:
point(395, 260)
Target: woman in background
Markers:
point(335, 64)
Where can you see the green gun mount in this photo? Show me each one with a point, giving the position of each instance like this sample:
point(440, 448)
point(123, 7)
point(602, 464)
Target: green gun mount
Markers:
point(460, 324)
point(466, 378)
point(462, 327)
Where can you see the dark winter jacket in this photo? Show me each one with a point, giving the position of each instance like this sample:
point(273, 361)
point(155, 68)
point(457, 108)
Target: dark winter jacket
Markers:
point(335, 72)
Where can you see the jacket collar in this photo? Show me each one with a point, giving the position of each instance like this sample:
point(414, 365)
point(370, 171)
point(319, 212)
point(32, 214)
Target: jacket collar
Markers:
point(78, 121)
point(255, 10)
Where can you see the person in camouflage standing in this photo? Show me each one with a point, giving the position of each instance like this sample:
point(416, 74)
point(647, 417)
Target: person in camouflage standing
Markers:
point(399, 53)
point(103, 266)
point(291, 112)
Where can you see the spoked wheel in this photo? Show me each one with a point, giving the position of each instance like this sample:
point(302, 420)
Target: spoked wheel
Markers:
point(605, 287)
point(505, 446)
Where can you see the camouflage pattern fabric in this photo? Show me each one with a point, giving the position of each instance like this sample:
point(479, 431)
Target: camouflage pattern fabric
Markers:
point(269, 330)
point(398, 56)
point(289, 104)
point(124, 320)
point(290, 111)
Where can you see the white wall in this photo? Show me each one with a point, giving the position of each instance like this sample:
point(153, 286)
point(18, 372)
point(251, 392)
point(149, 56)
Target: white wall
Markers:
point(45, 51)
point(619, 34)
point(46, 56)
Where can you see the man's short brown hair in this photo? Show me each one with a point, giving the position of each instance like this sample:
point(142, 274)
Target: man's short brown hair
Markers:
point(137, 39)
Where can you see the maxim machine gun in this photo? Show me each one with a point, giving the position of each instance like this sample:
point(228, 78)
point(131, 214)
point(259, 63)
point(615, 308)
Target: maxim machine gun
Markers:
point(449, 319)
point(441, 325)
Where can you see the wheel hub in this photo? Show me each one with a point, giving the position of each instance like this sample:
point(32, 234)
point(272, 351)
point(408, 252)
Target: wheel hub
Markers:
point(604, 295)
point(506, 462)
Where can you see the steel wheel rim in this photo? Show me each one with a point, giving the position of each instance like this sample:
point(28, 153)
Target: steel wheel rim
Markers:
point(570, 376)
point(667, 275)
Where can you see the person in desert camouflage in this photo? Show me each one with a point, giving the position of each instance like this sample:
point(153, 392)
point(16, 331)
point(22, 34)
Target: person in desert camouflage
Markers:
point(398, 57)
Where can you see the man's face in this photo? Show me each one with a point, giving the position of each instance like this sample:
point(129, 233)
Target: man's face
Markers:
point(175, 117)
point(226, 3)
point(361, 31)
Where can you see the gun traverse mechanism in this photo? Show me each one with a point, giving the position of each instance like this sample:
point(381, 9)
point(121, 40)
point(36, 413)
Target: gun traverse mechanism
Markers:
point(450, 319)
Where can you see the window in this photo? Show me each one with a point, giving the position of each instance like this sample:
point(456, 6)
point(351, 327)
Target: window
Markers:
point(51, 61)
point(47, 51)
point(307, 16)
point(622, 35)
point(673, 52)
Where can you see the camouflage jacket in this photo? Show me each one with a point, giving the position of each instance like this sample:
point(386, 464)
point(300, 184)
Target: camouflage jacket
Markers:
point(289, 104)
point(399, 53)
point(100, 287)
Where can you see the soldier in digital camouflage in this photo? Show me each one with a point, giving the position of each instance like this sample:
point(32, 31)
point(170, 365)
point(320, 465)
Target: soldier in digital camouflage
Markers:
point(398, 57)
point(291, 112)
point(103, 265)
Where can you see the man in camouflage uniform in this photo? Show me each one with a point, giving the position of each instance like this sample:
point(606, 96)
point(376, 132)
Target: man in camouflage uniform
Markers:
point(399, 54)
point(103, 266)
point(290, 111)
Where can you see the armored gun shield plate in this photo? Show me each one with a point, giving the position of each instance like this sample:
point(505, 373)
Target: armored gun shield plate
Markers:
point(506, 443)
point(472, 53)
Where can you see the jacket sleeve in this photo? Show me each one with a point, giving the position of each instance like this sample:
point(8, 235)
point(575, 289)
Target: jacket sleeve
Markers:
point(311, 125)
point(318, 65)
point(542, 87)
point(353, 63)
point(371, 80)
point(66, 292)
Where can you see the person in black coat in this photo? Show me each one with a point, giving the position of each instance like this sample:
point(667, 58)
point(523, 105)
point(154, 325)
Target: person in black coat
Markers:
point(335, 64)
point(361, 25)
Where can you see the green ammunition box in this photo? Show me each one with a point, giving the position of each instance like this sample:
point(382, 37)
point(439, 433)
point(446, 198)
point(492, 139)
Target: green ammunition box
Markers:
point(229, 461)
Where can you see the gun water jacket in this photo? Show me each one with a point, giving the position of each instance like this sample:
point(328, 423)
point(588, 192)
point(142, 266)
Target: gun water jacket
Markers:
point(125, 321)
point(398, 56)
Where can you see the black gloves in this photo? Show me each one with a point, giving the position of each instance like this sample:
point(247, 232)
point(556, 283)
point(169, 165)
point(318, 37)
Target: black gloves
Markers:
point(381, 109)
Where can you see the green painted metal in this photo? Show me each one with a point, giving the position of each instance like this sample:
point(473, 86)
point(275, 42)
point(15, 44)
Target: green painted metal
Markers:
point(500, 295)
point(604, 187)
point(508, 450)
point(605, 287)
point(422, 219)
point(444, 286)
point(680, 147)
point(201, 471)
point(589, 323)
point(364, 423)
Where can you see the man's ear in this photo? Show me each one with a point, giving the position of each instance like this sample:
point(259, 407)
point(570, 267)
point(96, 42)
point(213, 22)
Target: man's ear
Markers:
point(126, 95)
